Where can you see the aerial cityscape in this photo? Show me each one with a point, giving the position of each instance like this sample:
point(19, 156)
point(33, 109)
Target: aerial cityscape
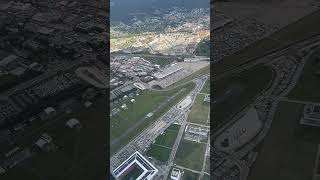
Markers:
point(160, 92)
point(53, 83)
point(265, 97)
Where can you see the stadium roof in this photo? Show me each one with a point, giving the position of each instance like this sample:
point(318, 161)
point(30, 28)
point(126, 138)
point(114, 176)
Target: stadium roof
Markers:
point(144, 170)
point(167, 71)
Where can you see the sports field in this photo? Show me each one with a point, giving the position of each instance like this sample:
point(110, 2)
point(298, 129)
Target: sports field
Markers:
point(308, 86)
point(283, 154)
point(200, 111)
point(128, 123)
point(161, 148)
point(190, 154)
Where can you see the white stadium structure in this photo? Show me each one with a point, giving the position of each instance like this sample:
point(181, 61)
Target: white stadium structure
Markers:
point(135, 167)
point(167, 71)
point(176, 72)
point(239, 133)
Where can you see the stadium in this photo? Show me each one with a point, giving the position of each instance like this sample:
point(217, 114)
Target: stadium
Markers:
point(175, 73)
point(135, 167)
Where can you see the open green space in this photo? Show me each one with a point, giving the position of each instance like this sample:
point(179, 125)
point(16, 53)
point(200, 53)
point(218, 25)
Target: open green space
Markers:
point(206, 87)
point(161, 148)
point(207, 167)
point(158, 152)
point(205, 177)
point(234, 93)
point(283, 154)
point(128, 123)
point(80, 155)
point(200, 110)
point(308, 86)
point(190, 154)
point(188, 175)
point(299, 30)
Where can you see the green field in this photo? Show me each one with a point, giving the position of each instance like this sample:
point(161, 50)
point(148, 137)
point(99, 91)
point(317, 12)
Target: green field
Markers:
point(190, 154)
point(128, 123)
point(199, 111)
point(308, 86)
point(80, 155)
point(283, 154)
point(236, 92)
point(163, 144)
point(207, 167)
point(303, 28)
point(188, 175)
point(206, 87)
point(205, 177)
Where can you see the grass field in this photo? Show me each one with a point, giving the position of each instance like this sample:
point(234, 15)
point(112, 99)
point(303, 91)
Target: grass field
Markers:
point(298, 30)
point(206, 87)
point(308, 86)
point(205, 177)
point(283, 154)
point(199, 111)
point(207, 167)
point(80, 155)
point(190, 154)
point(188, 175)
point(232, 94)
point(128, 123)
point(163, 144)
